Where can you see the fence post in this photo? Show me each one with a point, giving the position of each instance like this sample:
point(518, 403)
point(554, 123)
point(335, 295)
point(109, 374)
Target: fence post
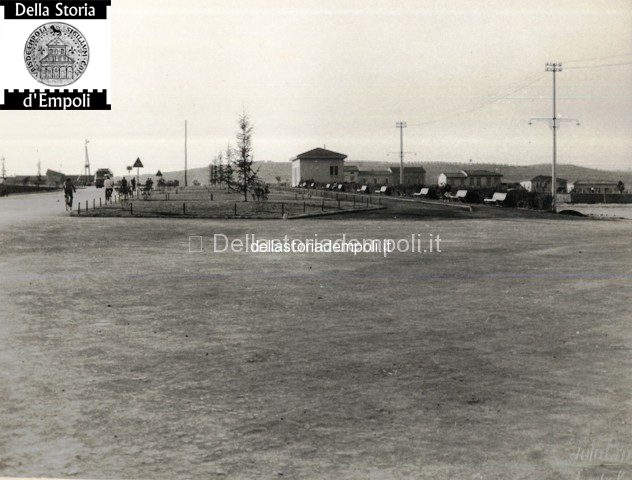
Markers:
point(235, 208)
point(303, 206)
point(323, 205)
point(131, 208)
point(282, 208)
point(184, 208)
point(94, 203)
point(211, 196)
point(338, 204)
point(86, 205)
point(354, 201)
point(78, 208)
point(99, 201)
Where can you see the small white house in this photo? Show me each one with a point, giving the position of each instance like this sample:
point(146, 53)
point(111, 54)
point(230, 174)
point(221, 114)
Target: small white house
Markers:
point(470, 178)
point(318, 165)
point(542, 184)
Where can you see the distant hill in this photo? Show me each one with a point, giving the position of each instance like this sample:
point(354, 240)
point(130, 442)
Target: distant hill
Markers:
point(269, 171)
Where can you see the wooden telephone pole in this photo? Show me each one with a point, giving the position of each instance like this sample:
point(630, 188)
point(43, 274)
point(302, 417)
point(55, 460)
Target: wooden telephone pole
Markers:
point(554, 122)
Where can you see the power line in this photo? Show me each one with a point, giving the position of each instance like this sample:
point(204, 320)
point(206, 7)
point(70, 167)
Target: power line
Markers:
point(582, 60)
point(503, 96)
point(599, 66)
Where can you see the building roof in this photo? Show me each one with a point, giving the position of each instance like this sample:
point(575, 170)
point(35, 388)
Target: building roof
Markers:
point(481, 173)
point(320, 154)
point(350, 168)
point(56, 59)
point(472, 173)
point(408, 170)
point(56, 43)
point(460, 174)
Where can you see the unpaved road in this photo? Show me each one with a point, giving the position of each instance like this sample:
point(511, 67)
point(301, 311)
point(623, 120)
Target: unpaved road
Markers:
point(30, 207)
point(507, 356)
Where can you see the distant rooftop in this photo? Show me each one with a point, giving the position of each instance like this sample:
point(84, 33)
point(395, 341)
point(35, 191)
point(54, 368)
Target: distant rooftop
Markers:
point(409, 169)
point(320, 154)
point(460, 174)
point(482, 173)
point(472, 173)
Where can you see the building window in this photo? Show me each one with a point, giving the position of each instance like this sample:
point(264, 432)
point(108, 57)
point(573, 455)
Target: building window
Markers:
point(333, 170)
point(478, 181)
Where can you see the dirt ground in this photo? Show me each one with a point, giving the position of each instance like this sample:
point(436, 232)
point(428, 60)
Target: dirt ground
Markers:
point(505, 356)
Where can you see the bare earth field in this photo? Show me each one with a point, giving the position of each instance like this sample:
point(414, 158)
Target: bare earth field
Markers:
point(506, 356)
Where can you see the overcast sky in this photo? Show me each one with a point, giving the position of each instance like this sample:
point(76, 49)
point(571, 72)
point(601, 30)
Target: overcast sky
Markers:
point(341, 73)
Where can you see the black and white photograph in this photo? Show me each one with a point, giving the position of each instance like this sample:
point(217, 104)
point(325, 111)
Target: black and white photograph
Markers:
point(316, 239)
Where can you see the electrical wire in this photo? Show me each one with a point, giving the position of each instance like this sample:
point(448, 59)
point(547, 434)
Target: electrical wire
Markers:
point(609, 57)
point(598, 66)
point(502, 96)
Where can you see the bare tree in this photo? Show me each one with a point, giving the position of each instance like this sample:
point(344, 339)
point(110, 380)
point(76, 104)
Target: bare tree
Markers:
point(246, 176)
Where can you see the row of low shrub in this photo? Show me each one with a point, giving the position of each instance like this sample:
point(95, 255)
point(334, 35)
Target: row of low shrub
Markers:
point(406, 190)
point(516, 197)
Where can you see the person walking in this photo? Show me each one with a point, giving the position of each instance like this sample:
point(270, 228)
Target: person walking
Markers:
point(109, 188)
point(69, 191)
point(124, 187)
point(133, 186)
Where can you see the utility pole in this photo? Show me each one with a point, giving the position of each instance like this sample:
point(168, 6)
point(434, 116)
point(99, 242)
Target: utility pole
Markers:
point(86, 169)
point(4, 172)
point(401, 126)
point(554, 67)
point(185, 153)
point(554, 122)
